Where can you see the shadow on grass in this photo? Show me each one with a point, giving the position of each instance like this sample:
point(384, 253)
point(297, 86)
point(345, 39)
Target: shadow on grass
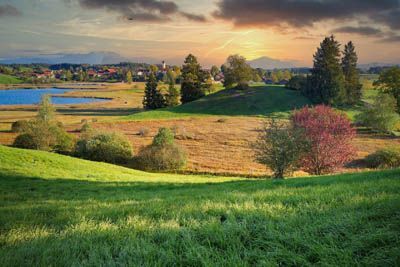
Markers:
point(68, 189)
point(256, 101)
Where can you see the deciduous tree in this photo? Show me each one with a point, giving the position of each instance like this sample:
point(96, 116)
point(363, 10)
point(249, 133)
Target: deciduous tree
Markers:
point(329, 134)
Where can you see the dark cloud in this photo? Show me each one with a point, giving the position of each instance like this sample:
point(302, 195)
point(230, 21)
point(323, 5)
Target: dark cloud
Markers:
point(394, 38)
point(9, 10)
point(301, 13)
point(142, 10)
point(368, 31)
point(390, 18)
point(194, 17)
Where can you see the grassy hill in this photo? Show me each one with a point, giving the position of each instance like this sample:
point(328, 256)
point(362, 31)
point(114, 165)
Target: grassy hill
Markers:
point(8, 79)
point(258, 100)
point(61, 211)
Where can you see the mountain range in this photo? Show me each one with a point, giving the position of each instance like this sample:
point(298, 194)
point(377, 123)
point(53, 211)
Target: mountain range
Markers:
point(115, 58)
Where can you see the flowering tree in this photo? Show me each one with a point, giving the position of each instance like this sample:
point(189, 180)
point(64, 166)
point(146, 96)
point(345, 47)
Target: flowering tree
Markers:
point(329, 134)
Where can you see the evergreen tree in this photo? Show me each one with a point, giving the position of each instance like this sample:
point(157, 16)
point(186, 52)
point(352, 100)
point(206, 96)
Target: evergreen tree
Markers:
point(153, 99)
point(172, 98)
point(191, 85)
point(351, 75)
point(326, 83)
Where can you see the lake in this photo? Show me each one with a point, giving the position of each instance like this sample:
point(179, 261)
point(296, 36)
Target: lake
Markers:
point(33, 96)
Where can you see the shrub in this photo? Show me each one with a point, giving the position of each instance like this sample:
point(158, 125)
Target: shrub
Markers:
point(24, 141)
point(19, 126)
point(297, 83)
point(384, 158)
point(47, 136)
point(381, 114)
point(163, 154)
point(164, 137)
point(328, 134)
point(279, 147)
point(106, 147)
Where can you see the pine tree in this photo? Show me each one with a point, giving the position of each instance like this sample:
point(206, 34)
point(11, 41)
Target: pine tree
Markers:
point(153, 99)
point(172, 98)
point(351, 75)
point(191, 88)
point(327, 81)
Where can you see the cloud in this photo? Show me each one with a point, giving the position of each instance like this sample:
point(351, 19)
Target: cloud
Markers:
point(194, 17)
point(142, 10)
point(393, 38)
point(281, 13)
point(365, 30)
point(9, 10)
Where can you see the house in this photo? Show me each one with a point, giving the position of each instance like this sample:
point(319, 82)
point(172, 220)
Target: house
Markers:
point(269, 81)
point(283, 82)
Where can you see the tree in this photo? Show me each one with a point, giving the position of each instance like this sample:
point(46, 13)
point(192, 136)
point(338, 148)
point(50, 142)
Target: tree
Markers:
point(153, 99)
point(326, 80)
point(191, 84)
point(214, 71)
point(279, 147)
point(129, 77)
point(153, 69)
point(170, 76)
point(351, 75)
point(44, 132)
point(297, 83)
point(237, 72)
point(329, 134)
point(172, 97)
point(46, 110)
point(162, 154)
point(389, 82)
point(381, 114)
point(68, 75)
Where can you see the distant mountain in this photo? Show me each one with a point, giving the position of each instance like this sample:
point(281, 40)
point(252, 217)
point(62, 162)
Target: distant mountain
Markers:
point(376, 64)
point(88, 58)
point(270, 63)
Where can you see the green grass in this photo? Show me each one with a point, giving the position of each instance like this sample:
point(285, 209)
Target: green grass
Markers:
point(60, 211)
point(8, 79)
point(259, 100)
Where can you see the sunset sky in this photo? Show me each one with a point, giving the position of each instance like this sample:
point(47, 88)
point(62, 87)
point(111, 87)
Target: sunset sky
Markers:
point(212, 30)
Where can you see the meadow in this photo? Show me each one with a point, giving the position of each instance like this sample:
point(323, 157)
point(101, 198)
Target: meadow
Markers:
point(8, 79)
point(56, 211)
point(216, 131)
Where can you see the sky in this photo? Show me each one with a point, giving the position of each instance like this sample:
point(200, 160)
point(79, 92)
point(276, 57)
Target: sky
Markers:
point(289, 30)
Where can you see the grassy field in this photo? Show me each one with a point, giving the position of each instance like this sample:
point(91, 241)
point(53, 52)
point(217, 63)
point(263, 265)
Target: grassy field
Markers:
point(8, 79)
point(259, 100)
point(56, 211)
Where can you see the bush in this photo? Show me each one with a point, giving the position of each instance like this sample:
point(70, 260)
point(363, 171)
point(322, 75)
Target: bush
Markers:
point(24, 141)
point(329, 134)
point(381, 114)
point(279, 147)
point(384, 158)
point(47, 136)
point(106, 147)
point(297, 83)
point(162, 155)
point(19, 126)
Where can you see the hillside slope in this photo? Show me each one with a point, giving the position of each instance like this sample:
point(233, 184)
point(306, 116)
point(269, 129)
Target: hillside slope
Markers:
point(257, 100)
point(8, 79)
point(61, 211)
